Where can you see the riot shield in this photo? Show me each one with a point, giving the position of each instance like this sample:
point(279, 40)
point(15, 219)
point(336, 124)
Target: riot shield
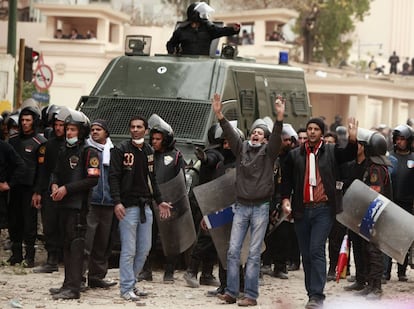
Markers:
point(177, 233)
point(215, 199)
point(378, 220)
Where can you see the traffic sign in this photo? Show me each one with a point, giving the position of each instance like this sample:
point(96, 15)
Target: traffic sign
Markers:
point(41, 97)
point(43, 77)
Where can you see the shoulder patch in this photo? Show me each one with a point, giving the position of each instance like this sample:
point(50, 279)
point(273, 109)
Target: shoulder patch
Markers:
point(42, 150)
point(94, 162)
point(373, 178)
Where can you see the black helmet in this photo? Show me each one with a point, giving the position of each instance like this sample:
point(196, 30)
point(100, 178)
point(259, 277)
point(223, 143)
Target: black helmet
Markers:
point(198, 11)
point(375, 145)
point(80, 120)
point(51, 113)
point(402, 130)
point(157, 125)
point(374, 142)
point(191, 14)
point(213, 138)
point(12, 120)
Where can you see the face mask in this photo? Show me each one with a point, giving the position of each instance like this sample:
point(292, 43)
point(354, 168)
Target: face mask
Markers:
point(138, 141)
point(72, 141)
point(254, 145)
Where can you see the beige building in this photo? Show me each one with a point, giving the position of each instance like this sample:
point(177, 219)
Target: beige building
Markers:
point(77, 64)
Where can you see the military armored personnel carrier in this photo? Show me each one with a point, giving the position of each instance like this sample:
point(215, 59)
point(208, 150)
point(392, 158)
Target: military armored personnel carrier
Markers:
point(179, 89)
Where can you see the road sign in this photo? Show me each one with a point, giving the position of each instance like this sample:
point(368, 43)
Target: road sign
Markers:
point(43, 77)
point(41, 97)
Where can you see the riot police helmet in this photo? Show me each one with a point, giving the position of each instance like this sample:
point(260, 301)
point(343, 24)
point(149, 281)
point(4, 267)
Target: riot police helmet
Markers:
point(199, 11)
point(402, 130)
point(289, 132)
point(158, 125)
point(80, 120)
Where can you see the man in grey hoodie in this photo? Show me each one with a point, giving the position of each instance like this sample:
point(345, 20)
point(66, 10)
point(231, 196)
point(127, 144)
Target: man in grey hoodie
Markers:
point(254, 188)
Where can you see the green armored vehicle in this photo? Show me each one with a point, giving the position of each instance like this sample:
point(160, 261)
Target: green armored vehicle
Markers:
point(179, 89)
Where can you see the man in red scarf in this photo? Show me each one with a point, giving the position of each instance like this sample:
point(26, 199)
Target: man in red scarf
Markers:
point(311, 184)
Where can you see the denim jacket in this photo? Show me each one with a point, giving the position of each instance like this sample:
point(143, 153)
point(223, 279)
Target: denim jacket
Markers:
point(100, 193)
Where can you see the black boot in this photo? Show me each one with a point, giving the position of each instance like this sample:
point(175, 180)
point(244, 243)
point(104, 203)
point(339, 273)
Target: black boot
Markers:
point(49, 267)
point(17, 254)
point(169, 273)
point(207, 277)
point(190, 275)
point(29, 257)
point(146, 273)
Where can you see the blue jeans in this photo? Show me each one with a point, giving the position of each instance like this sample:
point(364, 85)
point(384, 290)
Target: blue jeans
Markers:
point(312, 231)
point(135, 245)
point(256, 218)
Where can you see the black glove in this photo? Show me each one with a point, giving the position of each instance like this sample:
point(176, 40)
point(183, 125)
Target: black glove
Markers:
point(200, 154)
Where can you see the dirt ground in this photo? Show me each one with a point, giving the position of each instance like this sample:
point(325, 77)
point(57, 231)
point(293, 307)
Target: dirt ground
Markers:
point(22, 287)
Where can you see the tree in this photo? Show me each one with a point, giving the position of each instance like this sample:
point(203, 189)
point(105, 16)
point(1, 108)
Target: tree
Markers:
point(335, 21)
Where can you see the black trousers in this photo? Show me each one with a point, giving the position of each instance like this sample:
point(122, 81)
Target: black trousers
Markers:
point(98, 239)
point(52, 229)
point(3, 209)
point(204, 252)
point(22, 217)
point(360, 258)
point(277, 247)
point(74, 224)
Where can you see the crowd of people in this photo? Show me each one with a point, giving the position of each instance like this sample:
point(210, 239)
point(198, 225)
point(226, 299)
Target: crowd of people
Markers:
point(407, 67)
point(74, 35)
point(288, 191)
point(89, 189)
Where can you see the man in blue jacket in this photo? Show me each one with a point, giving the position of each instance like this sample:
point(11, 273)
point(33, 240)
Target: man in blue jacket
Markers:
point(100, 218)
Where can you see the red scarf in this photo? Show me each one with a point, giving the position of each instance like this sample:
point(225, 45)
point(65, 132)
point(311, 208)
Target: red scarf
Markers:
point(310, 170)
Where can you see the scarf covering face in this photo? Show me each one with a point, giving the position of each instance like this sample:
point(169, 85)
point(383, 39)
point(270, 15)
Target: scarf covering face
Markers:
point(104, 148)
point(310, 172)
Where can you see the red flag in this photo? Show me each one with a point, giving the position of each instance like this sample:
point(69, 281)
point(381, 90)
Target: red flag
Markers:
point(343, 258)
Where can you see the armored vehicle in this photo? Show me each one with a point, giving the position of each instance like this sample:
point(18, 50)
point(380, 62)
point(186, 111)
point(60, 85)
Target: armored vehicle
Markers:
point(179, 89)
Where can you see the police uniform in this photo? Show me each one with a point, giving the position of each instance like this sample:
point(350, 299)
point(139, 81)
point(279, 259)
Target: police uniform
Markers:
point(11, 170)
point(167, 165)
point(22, 216)
point(368, 258)
point(50, 214)
point(196, 41)
point(78, 170)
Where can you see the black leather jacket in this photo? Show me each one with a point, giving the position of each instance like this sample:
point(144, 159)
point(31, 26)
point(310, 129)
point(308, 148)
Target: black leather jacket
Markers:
point(329, 158)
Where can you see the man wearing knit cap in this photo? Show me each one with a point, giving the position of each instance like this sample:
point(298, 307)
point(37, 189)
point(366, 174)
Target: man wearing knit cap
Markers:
point(100, 219)
point(310, 183)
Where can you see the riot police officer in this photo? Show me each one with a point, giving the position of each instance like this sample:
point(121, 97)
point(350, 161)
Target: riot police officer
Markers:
point(30, 145)
point(168, 162)
point(194, 36)
point(371, 166)
point(75, 174)
point(41, 197)
point(402, 175)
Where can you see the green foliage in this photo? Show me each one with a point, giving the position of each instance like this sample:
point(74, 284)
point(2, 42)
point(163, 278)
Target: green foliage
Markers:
point(334, 24)
point(28, 89)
